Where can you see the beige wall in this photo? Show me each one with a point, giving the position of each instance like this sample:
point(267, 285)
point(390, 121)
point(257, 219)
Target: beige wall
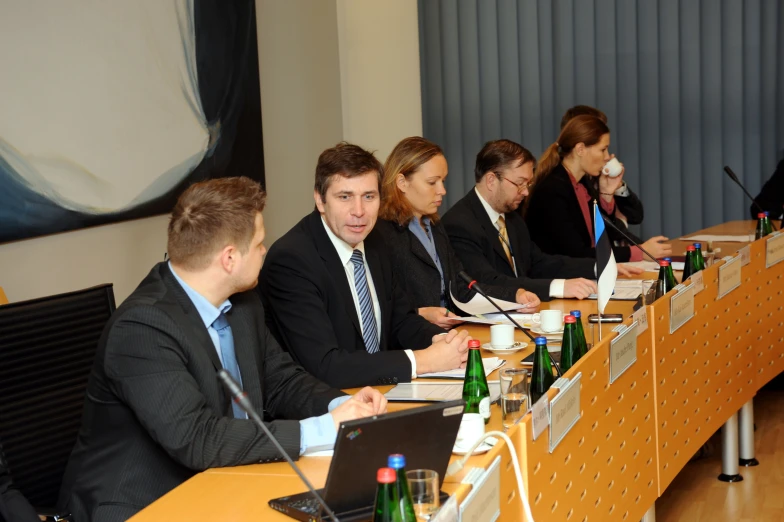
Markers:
point(330, 70)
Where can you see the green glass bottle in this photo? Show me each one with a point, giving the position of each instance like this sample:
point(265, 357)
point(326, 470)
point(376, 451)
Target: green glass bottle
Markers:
point(387, 502)
point(662, 282)
point(398, 463)
point(760, 231)
point(570, 348)
point(768, 224)
point(542, 377)
point(699, 259)
point(670, 273)
point(476, 393)
point(688, 264)
point(579, 332)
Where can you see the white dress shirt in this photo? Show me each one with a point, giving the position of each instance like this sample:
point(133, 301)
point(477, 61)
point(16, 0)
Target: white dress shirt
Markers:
point(345, 251)
point(556, 285)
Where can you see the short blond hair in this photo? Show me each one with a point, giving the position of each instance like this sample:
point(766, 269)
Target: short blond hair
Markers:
point(212, 214)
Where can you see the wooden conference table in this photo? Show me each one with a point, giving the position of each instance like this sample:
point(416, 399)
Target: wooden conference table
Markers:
point(629, 442)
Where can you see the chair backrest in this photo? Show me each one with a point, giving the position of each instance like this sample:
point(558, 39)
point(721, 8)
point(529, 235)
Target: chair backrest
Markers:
point(47, 347)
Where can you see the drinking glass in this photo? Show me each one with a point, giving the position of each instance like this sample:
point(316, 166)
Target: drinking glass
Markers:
point(423, 484)
point(515, 395)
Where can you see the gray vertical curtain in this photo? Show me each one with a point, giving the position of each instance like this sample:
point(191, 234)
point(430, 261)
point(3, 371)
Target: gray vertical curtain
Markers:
point(688, 86)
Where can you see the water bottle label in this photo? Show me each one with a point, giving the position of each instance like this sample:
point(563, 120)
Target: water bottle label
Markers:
point(484, 407)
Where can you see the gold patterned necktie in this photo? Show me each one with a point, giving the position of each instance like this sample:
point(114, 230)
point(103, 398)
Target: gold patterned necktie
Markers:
point(505, 239)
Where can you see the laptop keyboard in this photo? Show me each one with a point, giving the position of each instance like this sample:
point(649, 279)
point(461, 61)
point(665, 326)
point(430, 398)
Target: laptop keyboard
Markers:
point(308, 505)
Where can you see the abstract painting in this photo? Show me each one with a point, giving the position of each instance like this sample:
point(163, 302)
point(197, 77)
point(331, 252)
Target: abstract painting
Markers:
point(108, 110)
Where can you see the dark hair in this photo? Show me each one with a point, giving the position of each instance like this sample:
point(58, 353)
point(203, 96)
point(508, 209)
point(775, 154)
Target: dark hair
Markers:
point(347, 160)
point(500, 155)
point(406, 158)
point(580, 110)
point(210, 215)
point(580, 129)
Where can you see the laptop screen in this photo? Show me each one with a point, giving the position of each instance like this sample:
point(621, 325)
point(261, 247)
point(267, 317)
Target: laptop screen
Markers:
point(425, 436)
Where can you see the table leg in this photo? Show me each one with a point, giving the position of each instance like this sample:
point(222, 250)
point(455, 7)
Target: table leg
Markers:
point(650, 515)
point(729, 451)
point(746, 434)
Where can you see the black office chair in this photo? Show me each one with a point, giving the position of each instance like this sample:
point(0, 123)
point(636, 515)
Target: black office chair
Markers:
point(47, 347)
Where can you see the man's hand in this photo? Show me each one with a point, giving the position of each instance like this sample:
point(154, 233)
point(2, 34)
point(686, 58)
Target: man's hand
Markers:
point(657, 247)
point(627, 270)
point(447, 352)
point(439, 316)
point(529, 301)
point(365, 403)
point(579, 288)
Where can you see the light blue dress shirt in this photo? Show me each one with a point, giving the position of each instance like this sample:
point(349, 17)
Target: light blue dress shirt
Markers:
point(314, 431)
point(425, 236)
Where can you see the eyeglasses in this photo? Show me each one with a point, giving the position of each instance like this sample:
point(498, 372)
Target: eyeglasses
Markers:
point(521, 187)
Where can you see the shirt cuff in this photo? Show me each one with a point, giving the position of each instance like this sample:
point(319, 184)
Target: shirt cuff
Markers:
point(636, 254)
point(622, 191)
point(411, 357)
point(557, 288)
point(318, 433)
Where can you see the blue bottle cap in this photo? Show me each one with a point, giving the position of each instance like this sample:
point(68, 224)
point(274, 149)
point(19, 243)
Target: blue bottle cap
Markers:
point(767, 214)
point(396, 461)
point(668, 259)
point(576, 314)
point(697, 245)
point(540, 341)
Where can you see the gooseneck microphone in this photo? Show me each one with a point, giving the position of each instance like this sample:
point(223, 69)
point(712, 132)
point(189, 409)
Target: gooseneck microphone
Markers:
point(241, 398)
point(734, 178)
point(473, 285)
point(630, 240)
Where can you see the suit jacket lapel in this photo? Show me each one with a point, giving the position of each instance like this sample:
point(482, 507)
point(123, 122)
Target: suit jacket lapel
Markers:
point(338, 272)
point(488, 226)
point(247, 351)
point(419, 250)
point(184, 313)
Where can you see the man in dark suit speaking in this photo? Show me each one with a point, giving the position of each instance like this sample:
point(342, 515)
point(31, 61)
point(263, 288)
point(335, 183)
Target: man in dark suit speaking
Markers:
point(492, 240)
point(331, 297)
point(155, 412)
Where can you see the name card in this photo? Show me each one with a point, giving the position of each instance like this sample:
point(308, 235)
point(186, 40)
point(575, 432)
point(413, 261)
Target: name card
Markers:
point(641, 318)
point(483, 503)
point(774, 249)
point(745, 255)
point(698, 282)
point(540, 416)
point(623, 351)
point(449, 512)
point(565, 409)
point(729, 276)
point(681, 307)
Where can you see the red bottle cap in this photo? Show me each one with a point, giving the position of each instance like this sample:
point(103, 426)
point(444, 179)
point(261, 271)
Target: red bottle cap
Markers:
point(386, 476)
point(569, 319)
point(664, 263)
point(474, 343)
point(760, 215)
point(691, 248)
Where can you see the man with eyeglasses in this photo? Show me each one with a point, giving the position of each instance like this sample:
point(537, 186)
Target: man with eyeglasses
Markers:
point(492, 240)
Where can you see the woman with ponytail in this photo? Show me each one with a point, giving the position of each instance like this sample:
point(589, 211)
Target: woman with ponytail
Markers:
point(559, 213)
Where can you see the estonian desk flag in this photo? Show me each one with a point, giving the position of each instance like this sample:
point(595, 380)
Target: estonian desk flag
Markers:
point(606, 270)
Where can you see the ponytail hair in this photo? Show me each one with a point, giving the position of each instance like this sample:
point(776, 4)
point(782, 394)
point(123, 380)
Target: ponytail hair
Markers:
point(586, 129)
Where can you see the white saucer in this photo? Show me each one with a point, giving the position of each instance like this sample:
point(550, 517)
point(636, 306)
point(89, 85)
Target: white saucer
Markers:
point(516, 347)
point(482, 448)
point(537, 330)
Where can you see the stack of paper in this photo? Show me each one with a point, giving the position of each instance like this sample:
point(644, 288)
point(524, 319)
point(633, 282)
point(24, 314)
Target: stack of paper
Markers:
point(741, 238)
point(435, 391)
point(490, 364)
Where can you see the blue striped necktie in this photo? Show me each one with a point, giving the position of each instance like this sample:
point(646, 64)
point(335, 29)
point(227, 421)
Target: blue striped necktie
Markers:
point(369, 330)
point(229, 357)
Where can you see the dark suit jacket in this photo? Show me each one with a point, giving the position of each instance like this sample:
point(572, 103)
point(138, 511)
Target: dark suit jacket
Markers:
point(771, 197)
point(476, 242)
point(422, 281)
point(13, 506)
point(556, 221)
point(155, 412)
point(311, 312)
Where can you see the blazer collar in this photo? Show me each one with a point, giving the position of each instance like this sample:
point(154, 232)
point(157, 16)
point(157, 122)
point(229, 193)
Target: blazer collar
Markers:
point(489, 227)
point(336, 269)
